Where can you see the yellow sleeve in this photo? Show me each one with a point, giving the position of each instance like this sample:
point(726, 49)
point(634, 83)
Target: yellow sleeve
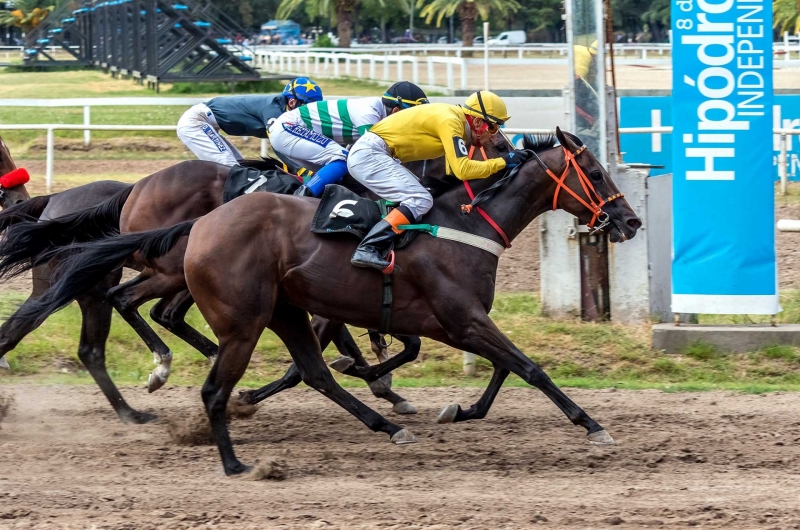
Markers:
point(456, 153)
point(583, 60)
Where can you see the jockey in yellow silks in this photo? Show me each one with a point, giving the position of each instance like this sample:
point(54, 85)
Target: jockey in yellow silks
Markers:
point(422, 133)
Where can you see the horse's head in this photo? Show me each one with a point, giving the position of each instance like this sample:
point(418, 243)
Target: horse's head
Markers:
point(12, 180)
point(589, 194)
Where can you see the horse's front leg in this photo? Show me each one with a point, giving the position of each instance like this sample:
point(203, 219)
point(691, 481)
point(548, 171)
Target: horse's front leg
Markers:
point(471, 329)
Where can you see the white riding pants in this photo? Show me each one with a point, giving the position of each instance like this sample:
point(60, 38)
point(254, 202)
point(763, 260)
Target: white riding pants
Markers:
point(199, 131)
point(303, 146)
point(371, 164)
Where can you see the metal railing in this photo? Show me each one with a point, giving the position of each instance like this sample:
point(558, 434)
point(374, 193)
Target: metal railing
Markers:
point(784, 146)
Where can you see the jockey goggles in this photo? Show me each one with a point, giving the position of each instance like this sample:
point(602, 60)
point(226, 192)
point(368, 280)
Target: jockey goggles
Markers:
point(405, 103)
point(493, 123)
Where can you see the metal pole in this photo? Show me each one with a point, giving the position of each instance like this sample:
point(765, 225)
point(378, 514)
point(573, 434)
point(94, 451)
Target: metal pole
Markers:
point(411, 19)
point(486, 56)
point(452, 33)
point(50, 155)
point(87, 120)
point(782, 165)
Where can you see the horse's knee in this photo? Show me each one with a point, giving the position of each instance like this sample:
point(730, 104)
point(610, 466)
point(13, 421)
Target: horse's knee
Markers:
point(91, 356)
point(118, 298)
point(162, 315)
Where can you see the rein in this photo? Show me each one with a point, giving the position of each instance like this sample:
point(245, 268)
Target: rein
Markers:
point(596, 207)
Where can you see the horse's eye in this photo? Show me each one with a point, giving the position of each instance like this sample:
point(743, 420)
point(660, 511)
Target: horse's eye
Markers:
point(596, 175)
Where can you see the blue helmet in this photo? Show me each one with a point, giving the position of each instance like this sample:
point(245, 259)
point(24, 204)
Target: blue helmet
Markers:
point(304, 90)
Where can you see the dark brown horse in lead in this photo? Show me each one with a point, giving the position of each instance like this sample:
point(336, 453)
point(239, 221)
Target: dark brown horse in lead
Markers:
point(253, 264)
point(179, 193)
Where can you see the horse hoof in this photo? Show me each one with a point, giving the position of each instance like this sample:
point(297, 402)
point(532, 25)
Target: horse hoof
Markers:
point(240, 471)
point(600, 438)
point(137, 418)
point(402, 437)
point(246, 397)
point(4, 363)
point(448, 415)
point(342, 363)
point(404, 407)
point(154, 382)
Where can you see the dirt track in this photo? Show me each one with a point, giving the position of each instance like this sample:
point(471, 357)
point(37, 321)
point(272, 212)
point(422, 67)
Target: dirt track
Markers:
point(710, 460)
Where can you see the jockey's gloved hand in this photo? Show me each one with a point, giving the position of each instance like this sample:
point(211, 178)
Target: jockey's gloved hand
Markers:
point(517, 157)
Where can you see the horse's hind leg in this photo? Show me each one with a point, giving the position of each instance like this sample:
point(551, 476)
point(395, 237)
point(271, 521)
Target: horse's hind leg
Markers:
point(327, 330)
point(170, 312)
point(382, 388)
point(96, 313)
point(292, 326)
point(127, 298)
point(235, 348)
point(478, 411)
point(373, 373)
point(289, 380)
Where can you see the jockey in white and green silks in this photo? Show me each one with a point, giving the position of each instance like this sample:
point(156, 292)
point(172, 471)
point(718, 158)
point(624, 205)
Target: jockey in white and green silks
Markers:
point(314, 136)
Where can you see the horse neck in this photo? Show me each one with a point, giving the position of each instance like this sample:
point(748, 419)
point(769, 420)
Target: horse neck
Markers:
point(7, 165)
point(518, 202)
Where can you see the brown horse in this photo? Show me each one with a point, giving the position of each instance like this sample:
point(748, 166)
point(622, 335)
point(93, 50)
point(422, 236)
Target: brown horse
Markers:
point(182, 192)
point(253, 264)
point(12, 196)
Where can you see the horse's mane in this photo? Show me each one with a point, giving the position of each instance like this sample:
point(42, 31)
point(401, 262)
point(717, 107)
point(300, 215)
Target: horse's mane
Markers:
point(543, 141)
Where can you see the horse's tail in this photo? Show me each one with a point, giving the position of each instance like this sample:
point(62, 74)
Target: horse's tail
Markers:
point(29, 210)
point(84, 265)
point(24, 241)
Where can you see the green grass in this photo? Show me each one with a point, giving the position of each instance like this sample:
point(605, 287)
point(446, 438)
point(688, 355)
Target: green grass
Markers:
point(574, 353)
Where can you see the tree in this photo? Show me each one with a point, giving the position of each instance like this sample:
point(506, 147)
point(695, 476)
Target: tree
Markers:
point(27, 14)
point(468, 11)
point(786, 15)
point(657, 16)
point(343, 9)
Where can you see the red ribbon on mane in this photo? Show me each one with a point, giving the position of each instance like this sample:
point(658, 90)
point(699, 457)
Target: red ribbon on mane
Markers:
point(15, 178)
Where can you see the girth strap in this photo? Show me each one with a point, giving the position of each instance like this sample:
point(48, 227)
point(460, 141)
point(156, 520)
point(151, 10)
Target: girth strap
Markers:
point(386, 305)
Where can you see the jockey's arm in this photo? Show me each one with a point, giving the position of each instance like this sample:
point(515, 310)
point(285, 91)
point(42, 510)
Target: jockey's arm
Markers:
point(456, 152)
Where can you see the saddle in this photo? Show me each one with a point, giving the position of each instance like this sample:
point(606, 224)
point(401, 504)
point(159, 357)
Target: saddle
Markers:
point(341, 211)
point(245, 180)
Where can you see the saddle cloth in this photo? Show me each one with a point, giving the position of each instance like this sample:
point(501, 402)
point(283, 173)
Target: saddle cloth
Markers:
point(341, 211)
point(245, 180)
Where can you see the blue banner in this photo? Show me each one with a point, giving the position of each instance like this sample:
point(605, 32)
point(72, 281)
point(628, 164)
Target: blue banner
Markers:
point(723, 195)
point(656, 148)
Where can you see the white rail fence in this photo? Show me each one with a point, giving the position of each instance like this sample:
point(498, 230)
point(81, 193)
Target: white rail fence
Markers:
point(362, 66)
point(783, 157)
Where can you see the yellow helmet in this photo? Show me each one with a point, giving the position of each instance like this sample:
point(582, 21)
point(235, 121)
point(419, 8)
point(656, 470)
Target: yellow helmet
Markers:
point(487, 106)
point(593, 48)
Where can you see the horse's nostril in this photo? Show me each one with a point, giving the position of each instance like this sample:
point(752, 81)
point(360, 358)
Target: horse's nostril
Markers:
point(634, 222)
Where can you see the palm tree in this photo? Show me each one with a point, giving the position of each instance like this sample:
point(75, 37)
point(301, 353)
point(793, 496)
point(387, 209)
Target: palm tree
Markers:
point(342, 10)
point(786, 15)
point(27, 14)
point(468, 11)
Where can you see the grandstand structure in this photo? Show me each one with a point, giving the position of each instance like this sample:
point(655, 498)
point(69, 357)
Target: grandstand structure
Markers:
point(152, 41)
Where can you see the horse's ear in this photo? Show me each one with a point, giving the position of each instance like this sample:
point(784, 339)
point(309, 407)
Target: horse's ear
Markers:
point(563, 140)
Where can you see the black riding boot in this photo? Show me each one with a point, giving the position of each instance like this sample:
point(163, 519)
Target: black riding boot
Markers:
point(374, 250)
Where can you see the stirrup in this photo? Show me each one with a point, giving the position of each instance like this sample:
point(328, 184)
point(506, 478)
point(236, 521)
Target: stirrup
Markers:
point(390, 267)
